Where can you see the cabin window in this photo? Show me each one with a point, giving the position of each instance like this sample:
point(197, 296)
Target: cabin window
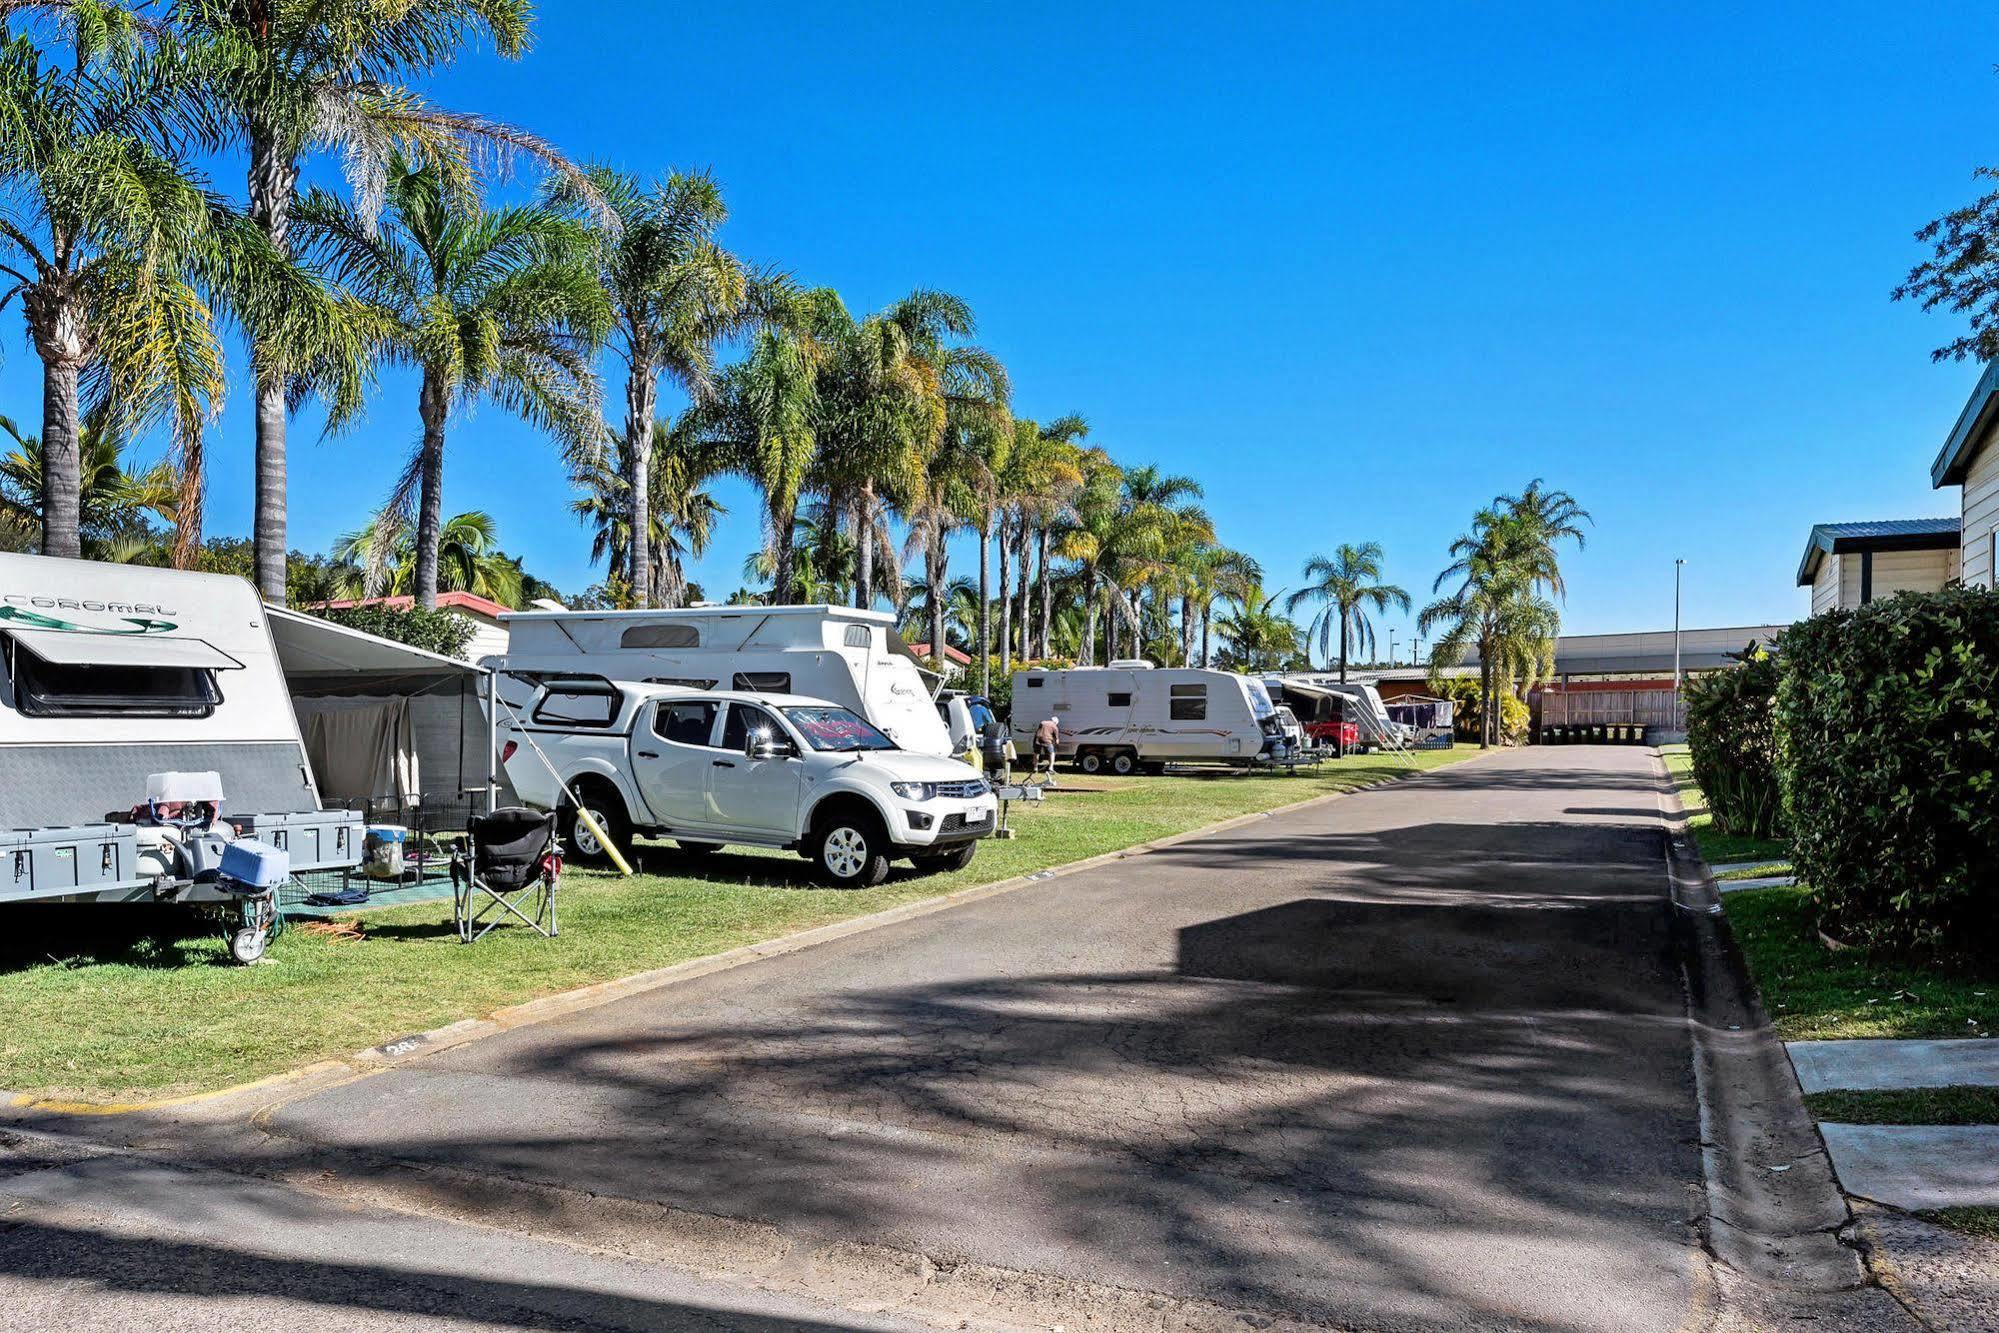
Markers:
point(1120, 698)
point(43, 690)
point(763, 682)
point(578, 708)
point(858, 637)
point(690, 723)
point(1188, 703)
point(746, 718)
point(660, 636)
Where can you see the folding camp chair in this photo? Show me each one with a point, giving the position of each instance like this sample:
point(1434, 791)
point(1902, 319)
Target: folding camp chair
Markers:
point(511, 870)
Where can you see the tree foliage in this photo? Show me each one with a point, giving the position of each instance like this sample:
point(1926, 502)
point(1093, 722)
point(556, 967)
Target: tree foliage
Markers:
point(1732, 739)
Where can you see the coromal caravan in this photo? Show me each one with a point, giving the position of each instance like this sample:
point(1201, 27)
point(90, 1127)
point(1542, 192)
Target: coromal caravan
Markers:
point(849, 657)
point(125, 689)
point(1133, 715)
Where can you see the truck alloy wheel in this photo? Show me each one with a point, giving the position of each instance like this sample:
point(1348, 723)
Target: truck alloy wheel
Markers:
point(851, 854)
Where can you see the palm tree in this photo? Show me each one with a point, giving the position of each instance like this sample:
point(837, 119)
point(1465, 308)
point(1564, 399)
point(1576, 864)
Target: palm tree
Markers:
point(675, 293)
point(293, 78)
point(502, 304)
point(682, 513)
point(764, 424)
point(1214, 572)
point(110, 500)
point(1038, 474)
point(1344, 586)
point(119, 255)
point(1116, 541)
point(1259, 636)
point(381, 558)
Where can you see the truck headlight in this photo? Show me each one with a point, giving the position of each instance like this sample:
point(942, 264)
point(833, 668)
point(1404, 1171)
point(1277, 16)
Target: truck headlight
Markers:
point(914, 791)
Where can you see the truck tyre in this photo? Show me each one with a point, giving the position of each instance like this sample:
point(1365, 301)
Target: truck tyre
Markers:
point(609, 812)
point(951, 858)
point(1090, 761)
point(851, 848)
point(1124, 763)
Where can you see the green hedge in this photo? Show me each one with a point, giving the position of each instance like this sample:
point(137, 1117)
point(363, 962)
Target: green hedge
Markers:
point(1888, 723)
point(433, 631)
point(1732, 740)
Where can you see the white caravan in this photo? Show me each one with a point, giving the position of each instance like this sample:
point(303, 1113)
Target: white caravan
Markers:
point(120, 683)
point(1132, 715)
point(849, 657)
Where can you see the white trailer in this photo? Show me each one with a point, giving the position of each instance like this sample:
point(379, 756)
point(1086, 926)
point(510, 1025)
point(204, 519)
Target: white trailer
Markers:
point(1377, 730)
point(1132, 715)
point(113, 675)
point(849, 657)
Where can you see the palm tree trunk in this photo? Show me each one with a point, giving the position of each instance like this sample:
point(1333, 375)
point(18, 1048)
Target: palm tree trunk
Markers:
point(933, 585)
point(1024, 554)
point(62, 460)
point(273, 184)
point(1485, 731)
point(190, 484)
point(1005, 604)
point(1048, 597)
point(1343, 647)
point(430, 496)
point(641, 401)
point(1207, 621)
point(864, 552)
point(781, 523)
point(985, 604)
point(1088, 656)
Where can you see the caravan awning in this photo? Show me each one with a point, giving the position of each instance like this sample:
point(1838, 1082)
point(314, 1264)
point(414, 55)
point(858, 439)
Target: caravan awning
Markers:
point(310, 648)
point(60, 647)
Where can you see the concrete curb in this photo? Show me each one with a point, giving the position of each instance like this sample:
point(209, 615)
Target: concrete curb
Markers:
point(1774, 1208)
point(417, 1045)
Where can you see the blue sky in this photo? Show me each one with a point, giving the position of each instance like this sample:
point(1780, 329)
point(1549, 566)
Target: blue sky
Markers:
point(1356, 268)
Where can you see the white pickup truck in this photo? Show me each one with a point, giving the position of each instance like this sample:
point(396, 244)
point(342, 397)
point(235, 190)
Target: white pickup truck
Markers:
point(714, 767)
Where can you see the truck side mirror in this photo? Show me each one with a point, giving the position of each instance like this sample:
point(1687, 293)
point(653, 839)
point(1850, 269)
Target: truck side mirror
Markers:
point(762, 745)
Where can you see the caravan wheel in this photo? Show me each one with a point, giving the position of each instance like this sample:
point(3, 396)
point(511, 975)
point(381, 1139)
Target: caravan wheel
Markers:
point(1124, 763)
point(1090, 761)
point(247, 945)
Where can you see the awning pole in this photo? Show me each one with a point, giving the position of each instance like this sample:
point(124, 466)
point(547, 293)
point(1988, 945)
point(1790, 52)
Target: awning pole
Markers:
point(492, 743)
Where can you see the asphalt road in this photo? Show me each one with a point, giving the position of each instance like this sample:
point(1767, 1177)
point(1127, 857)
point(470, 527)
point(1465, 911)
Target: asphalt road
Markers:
point(1415, 1059)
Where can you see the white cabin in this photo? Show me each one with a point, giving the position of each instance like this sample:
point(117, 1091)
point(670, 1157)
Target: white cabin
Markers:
point(1851, 564)
point(835, 653)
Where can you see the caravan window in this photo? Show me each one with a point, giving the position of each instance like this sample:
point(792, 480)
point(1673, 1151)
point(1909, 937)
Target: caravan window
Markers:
point(763, 682)
point(578, 708)
point(1188, 703)
point(859, 637)
point(1120, 699)
point(1034, 682)
point(660, 636)
point(41, 690)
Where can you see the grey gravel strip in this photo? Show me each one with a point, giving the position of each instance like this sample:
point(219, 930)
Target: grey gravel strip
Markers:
point(1764, 882)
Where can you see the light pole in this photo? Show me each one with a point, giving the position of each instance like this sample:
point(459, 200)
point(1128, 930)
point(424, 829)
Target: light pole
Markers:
point(1679, 567)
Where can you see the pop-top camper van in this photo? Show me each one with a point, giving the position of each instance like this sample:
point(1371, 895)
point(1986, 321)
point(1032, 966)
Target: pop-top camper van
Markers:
point(1132, 715)
point(124, 688)
point(849, 657)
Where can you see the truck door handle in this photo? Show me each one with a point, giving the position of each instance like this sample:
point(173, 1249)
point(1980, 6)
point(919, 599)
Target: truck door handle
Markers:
point(648, 754)
point(725, 763)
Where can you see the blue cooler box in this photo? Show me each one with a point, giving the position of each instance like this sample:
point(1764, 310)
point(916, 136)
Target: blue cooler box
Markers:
point(252, 867)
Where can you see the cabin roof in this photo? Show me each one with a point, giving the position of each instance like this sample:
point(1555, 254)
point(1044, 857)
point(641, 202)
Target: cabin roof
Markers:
point(1886, 534)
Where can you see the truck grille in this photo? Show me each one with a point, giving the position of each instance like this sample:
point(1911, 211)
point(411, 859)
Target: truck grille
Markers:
point(960, 823)
point(963, 790)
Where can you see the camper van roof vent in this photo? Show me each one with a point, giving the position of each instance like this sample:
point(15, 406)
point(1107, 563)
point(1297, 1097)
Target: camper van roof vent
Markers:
point(1131, 664)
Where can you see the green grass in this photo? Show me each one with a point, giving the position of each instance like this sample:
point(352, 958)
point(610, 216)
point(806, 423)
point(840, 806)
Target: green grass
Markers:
point(1971, 1221)
point(94, 1008)
point(1717, 848)
point(1907, 1106)
point(1815, 993)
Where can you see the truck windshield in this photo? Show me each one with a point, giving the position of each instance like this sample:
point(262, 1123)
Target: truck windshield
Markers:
point(836, 729)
